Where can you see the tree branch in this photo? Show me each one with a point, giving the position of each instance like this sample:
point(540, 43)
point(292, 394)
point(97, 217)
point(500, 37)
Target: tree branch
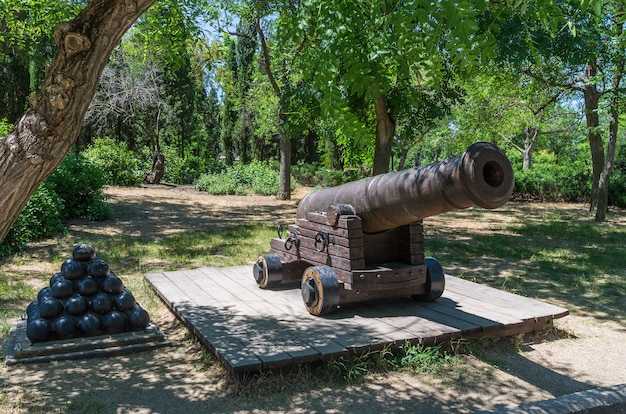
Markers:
point(266, 57)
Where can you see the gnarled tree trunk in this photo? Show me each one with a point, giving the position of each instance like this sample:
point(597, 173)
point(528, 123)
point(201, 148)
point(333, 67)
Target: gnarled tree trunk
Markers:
point(49, 127)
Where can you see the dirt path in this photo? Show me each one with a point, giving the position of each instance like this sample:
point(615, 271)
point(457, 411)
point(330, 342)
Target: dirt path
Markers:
point(582, 353)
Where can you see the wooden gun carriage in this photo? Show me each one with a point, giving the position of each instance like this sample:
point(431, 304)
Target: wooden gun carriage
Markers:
point(364, 240)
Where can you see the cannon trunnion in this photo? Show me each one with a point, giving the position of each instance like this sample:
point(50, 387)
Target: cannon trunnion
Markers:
point(364, 240)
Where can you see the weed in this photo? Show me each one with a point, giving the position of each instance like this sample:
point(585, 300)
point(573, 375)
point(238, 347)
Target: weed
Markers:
point(420, 358)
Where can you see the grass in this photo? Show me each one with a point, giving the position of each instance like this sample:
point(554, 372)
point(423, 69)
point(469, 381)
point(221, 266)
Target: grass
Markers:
point(560, 256)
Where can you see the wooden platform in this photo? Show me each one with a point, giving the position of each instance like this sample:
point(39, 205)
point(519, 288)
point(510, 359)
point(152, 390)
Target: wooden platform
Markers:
point(252, 329)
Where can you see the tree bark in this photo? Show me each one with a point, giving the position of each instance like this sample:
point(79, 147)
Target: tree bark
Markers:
point(614, 103)
point(531, 134)
point(284, 185)
point(385, 130)
point(592, 98)
point(49, 127)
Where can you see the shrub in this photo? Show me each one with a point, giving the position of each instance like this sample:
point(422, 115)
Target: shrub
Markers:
point(550, 181)
point(256, 177)
point(117, 160)
point(178, 169)
point(79, 184)
point(5, 127)
point(41, 217)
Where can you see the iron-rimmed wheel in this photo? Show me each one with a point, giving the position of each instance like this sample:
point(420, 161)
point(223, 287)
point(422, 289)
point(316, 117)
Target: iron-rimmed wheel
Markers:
point(268, 271)
point(320, 290)
point(435, 282)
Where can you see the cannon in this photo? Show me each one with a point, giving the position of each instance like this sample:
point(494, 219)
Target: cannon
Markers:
point(364, 240)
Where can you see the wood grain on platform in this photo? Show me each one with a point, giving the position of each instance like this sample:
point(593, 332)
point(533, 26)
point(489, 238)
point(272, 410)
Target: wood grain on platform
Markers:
point(252, 329)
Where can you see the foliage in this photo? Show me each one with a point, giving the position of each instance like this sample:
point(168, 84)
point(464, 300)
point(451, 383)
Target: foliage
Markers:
point(79, 184)
point(120, 163)
point(420, 358)
point(41, 217)
point(27, 47)
point(552, 181)
point(617, 185)
point(256, 177)
point(5, 127)
point(313, 175)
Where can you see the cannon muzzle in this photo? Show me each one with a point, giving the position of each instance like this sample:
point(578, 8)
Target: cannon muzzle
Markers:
point(482, 176)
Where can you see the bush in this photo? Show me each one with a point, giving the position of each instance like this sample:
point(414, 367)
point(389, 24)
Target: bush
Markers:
point(180, 170)
point(549, 181)
point(41, 217)
point(256, 177)
point(5, 127)
point(117, 160)
point(79, 184)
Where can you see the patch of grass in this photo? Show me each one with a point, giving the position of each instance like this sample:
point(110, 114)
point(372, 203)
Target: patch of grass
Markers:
point(554, 255)
point(420, 359)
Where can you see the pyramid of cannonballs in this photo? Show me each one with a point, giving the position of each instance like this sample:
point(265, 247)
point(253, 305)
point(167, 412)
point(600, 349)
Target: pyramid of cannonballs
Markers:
point(84, 299)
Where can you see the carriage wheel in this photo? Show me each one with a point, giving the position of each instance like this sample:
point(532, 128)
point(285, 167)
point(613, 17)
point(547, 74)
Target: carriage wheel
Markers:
point(435, 282)
point(320, 290)
point(268, 271)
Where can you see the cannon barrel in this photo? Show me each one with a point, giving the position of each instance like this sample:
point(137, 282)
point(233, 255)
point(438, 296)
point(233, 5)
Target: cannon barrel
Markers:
point(481, 176)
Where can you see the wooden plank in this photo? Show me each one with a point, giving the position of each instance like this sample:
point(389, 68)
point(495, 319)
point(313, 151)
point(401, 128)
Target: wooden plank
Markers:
point(21, 351)
point(263, 334)
point(527, 307)
point(255, 329)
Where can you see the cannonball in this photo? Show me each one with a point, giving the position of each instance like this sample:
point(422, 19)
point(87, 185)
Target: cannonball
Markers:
point(44, 293)
point(139, 319)
point(125, 301)
point(84, 252)
point(88, 286)
point(76, 305)
point(72, 269)
point(32, 310)
point(38, 330)
point(62, 288)
point(90, 324)
point(101, 303)
point(112, 284)
point(56, 277)
point(50, 308)
point(98, 268)
point(64, 327)
point(115, 322)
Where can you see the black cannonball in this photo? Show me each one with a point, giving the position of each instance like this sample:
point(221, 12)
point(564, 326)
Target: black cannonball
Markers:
point(125, 301)
point(72, 269)
point(50, 308)
point(88, 286)
point(90, 324)
point(76, 305)
point(112, 285)
point(38, 330)
point(98, 268)
point(64, 327)
point(84, 252)
point(101, 303)
point(115, 322)
point(44, 293)
point(139, 319)
point(62, 288)
point(32, 308)
point(56, 277)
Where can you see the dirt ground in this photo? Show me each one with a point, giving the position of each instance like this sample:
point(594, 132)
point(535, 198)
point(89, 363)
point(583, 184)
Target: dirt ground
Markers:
point(581, 353)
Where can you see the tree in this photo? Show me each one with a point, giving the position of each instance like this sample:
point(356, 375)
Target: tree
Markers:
point(47, 130)
point(591, 55)
point(26, 46)
point(382, 56)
